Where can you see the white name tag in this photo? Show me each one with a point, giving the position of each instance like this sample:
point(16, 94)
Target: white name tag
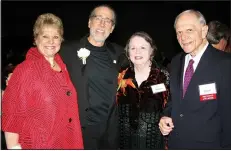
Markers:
point(158, 88)
point(207, 91)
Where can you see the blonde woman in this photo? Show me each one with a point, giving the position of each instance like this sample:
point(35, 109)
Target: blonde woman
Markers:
point(40, 108)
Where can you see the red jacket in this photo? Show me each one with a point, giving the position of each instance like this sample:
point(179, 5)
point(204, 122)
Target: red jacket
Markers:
point(40, 104)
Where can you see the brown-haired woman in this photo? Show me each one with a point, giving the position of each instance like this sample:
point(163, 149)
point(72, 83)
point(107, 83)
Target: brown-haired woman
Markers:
point(142, 95)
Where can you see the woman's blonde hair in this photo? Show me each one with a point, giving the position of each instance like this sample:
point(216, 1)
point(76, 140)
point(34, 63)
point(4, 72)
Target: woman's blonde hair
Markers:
point(50, 20)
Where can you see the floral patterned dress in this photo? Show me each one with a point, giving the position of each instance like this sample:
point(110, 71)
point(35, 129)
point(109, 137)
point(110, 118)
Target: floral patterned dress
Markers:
point(140, 109)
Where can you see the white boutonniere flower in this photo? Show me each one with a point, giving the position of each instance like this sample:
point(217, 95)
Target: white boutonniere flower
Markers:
point(83, 53)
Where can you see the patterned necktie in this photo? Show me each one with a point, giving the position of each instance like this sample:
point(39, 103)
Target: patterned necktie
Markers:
point(188, 75)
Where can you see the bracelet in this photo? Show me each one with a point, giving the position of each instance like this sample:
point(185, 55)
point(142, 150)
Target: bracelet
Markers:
point(16, 147)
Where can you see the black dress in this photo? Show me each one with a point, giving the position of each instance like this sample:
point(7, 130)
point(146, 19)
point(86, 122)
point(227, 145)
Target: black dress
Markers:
point(140, 110)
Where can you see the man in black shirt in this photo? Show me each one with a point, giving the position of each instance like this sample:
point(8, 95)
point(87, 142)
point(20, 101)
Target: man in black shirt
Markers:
point(94, 76)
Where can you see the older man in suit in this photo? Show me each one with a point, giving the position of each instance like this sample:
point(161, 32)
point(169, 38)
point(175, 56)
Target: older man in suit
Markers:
point(199, 113)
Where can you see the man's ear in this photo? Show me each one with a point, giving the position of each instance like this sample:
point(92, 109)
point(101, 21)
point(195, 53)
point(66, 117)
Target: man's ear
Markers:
point(89, 23)
point(112, 28)
point(223, 44)
point(204, 31)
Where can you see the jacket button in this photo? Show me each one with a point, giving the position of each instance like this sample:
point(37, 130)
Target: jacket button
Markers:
point(177, 134)
point(68, 93)
point(83, 127)
point(181, 115)
point(86, 109)
point(70, 119)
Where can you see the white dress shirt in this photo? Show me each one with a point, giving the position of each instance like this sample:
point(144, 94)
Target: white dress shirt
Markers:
point(195, 58)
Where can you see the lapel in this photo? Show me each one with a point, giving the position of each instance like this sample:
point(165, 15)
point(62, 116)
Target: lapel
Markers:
point(203, 63)
point(202, 68)
point(112, 53)
point(181, 75)
point(78, 74)
point(77, 62)
point(81, 65)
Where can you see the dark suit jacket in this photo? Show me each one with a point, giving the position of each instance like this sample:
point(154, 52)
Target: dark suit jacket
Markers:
point(197, 122)
point(76, 70)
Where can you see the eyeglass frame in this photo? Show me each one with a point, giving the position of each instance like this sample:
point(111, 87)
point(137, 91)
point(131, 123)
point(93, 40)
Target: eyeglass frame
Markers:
point(103, 19)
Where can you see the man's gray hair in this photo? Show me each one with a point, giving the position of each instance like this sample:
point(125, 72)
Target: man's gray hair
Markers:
point(107, 6)
point(198, 14)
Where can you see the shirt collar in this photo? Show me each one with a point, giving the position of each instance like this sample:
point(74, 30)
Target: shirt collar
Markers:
point(198, 56)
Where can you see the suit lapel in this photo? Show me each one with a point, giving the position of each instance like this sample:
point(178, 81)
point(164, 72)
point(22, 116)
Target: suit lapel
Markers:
point(203, 63)
point(78, 74)
point(112, 52)
point(77, 61)
point(181, 75)
point(201, 68)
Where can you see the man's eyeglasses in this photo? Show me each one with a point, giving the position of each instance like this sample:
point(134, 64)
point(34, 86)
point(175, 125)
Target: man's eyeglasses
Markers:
point(107, 21)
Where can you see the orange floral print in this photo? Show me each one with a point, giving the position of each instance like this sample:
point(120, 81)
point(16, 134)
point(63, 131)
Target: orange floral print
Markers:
point(123, 83)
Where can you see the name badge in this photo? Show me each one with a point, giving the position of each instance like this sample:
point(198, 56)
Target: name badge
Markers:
point(208, 92)
point(158, 88)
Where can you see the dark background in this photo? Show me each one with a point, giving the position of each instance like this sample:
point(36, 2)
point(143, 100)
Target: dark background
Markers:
point(154, 17)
